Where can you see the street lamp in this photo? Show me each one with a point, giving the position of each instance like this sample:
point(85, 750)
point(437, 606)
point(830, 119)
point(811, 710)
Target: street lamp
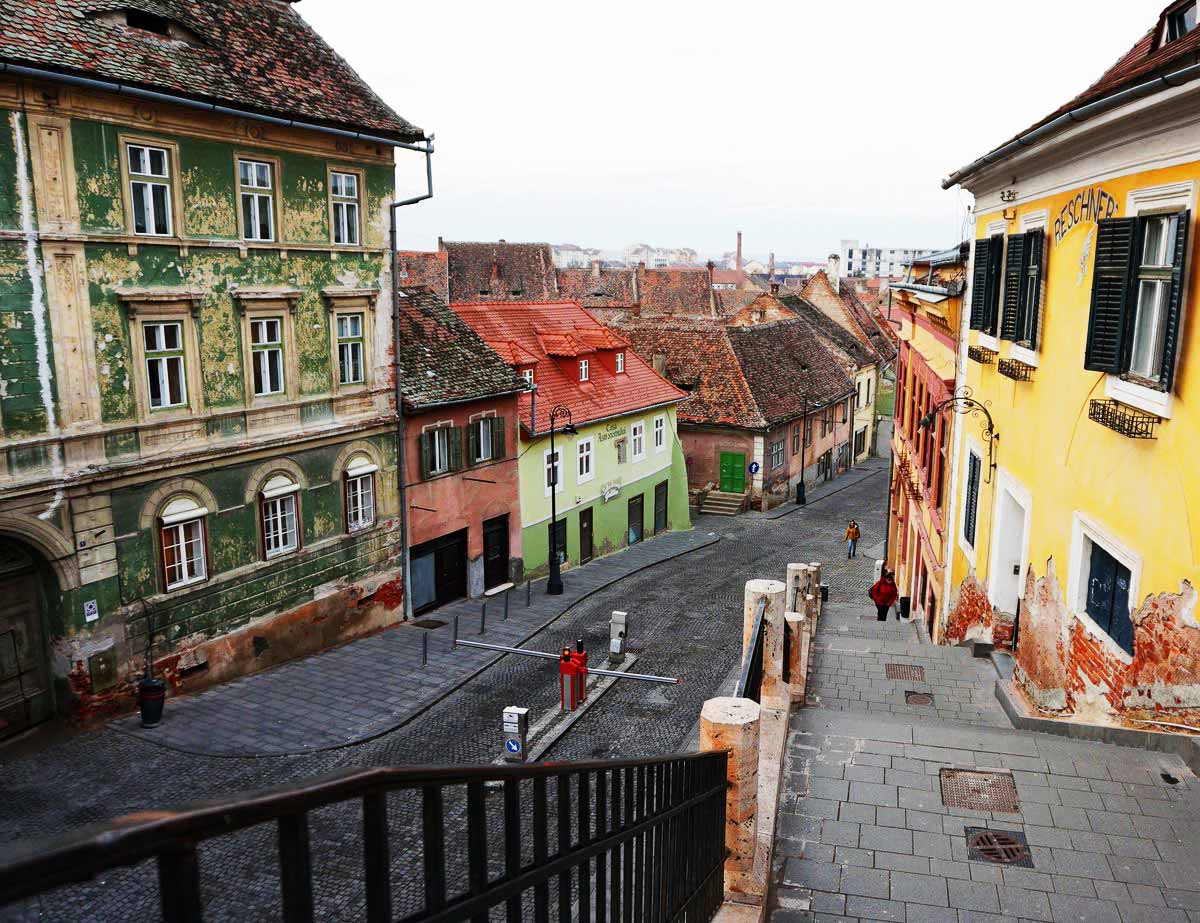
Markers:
point(963, 403)
point(554, 584)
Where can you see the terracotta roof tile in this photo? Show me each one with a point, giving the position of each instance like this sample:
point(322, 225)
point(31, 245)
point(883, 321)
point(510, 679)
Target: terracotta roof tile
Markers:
point(253, 54)
point(500, 271)
point(442, 359)
point(675, 291)
point(607, 288)
point(605, 394)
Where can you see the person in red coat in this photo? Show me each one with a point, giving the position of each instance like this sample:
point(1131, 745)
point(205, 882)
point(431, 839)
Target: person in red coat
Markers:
point(884, 594)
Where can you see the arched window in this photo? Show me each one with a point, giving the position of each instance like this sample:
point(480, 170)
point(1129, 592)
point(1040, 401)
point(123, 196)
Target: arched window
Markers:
point(183, 542)
point(280, 515)
point(360, 493)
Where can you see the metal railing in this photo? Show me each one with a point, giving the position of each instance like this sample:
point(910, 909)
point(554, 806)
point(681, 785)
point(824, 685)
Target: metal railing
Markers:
point(750, 680)
point(632, 840)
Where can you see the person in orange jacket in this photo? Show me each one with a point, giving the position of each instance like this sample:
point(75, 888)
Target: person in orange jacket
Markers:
point(852, 536)
point(884, 594)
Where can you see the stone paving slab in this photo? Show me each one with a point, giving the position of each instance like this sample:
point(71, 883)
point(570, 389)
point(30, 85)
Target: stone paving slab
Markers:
point(860, 472)
point(368, 687)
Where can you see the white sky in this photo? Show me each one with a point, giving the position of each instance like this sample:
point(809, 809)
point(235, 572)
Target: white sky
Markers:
point(678, 124)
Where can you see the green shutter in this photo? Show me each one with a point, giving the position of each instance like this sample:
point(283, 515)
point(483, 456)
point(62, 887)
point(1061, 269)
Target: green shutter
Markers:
point(995, 278)
point(455, 443)
point(498, 429)
point(979, 284)
point(1115, 239)
point(1014, 282)
point(425, 450)
point(1029, 312)
point(1175, 302)
point(972, 510)
point(473, 441)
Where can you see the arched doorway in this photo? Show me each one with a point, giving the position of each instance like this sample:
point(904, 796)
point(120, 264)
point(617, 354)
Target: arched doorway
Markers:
point(26, 692)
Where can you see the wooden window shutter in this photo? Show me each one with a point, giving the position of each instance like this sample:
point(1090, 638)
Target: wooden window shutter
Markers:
point(1029, 314)
point(473, 440)
point(498, 450)
point(454, 441)
point(425, 450)
point(979, 284)
point(972, 508)
point(995, 278)
point(1014, 283)
point(1115, 239)
point(1175, 302)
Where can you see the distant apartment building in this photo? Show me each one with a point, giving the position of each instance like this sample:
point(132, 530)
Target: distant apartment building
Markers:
point(871, 261)
point(657, 257)
point(573, 256)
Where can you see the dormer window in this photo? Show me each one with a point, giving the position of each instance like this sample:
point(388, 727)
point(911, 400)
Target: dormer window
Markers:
point(150, 23)
point(620, 362)
point(1181, 21)
point(583, 370)
point(528, 376)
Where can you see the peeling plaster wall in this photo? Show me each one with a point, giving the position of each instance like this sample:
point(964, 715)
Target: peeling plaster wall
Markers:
point(1165, 673)
point(970, 615)
point(1042, 649)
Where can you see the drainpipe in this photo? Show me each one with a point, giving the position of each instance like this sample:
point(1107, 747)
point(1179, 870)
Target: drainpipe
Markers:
point(405, 561)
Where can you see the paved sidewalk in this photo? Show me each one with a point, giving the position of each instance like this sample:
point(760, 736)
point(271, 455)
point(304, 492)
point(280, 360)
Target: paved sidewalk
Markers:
point(866, 830)
point(860, 472)
point(368, 687)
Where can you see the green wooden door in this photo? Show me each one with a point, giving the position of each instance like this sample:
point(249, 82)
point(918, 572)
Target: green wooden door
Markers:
point(733, 473)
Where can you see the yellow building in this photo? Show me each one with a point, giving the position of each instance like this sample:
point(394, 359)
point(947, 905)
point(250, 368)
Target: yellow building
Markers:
point(925, 310)
point(1082, 341)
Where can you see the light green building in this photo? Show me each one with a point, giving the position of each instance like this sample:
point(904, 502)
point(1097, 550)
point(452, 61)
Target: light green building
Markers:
point(621, 477)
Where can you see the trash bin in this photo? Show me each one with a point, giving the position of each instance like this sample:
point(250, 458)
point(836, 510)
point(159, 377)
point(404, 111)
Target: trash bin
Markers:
point(905, 607)
point(152, 694)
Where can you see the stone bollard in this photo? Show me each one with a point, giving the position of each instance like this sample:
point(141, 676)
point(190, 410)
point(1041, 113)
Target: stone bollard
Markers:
point(797, 573)
point(814, 579)
point(775, 594)
point(731, 724)
point(797, 649)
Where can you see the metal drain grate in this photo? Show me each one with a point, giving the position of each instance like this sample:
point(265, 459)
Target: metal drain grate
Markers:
point(904, 671)
point(979, 791)
point(428, 623)
point(918, 698)
point(1000, 847)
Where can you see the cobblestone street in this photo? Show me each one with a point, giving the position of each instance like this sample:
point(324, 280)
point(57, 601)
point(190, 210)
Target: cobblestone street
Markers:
point(686, 621)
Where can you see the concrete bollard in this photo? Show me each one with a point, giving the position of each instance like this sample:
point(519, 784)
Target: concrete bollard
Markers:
point(814, 579)
point(797, 574)
point(797, 662)
point(775, 594)
point(731, 724)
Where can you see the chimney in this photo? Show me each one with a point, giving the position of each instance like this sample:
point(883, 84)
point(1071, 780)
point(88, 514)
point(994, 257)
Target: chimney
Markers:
point(659, 362)
point(738, 266)
point(710, 266)
point(833, 272)
point(771, 267)
point(595, 269)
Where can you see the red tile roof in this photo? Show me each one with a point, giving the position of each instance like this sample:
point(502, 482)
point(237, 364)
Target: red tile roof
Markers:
point(252, 54)
point(420, 267)
point(608, 288)
point(728, 277)
point(529, 325)
point(675, 291)
point(500, 271)
point(853, 314)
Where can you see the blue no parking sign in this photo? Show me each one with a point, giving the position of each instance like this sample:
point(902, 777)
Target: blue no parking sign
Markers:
point(753, 467)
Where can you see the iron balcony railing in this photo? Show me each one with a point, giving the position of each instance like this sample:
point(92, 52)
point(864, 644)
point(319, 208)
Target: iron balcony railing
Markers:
point(750, 680)
point(628, 840)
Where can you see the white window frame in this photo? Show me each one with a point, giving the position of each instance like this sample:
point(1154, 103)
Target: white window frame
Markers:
point(483, 430)
point(161, 360)
point(637, 440)
point(149, 180)
point(360, 484)
point(528, 376)
point(347, 342)
point(659, 429)
point(585, 453)
point(781, 445)
point(620, 362)
point(558, 472)
point(177, 525)
point(342, 206)
point(584, 370)
point(439, 439)
point(278, 505)
point(260, 196)
point(1085, 532)
point(264, 349)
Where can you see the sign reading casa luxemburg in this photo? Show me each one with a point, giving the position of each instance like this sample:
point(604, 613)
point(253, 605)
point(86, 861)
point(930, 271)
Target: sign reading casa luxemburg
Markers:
point(1085, 207)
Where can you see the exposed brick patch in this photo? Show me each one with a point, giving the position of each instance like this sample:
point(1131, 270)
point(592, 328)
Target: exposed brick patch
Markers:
point(1041, 659)
point(971, 614)
point(1165, 673)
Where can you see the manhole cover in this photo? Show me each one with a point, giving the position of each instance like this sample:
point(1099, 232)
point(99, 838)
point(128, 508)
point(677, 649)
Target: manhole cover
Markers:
point(979, 791)
point(904, 671)
point(1001, 847)
point(429, 623)
point(918, 698)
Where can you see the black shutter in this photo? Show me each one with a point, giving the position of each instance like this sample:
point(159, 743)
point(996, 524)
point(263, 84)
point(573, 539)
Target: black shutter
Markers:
point(473, 441)
point(995, 278)
point(1014, 281)
point(1115, 238)
point(425, 443)
point(1175, 302)
point(972, 508)
point(454, 442)
point(1029, 314)
point(979, 284)
point(498, 450)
